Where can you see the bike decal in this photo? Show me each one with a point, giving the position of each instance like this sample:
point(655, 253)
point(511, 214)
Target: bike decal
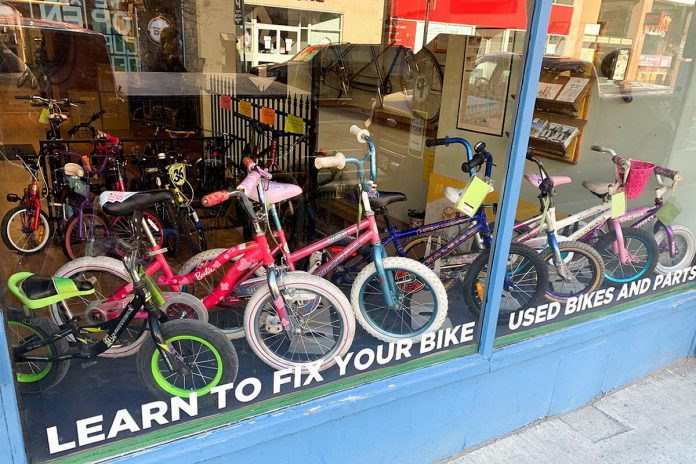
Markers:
point(114, 197)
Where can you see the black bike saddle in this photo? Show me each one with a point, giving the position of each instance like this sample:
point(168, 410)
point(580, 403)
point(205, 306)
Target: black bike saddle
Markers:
point(126, 203)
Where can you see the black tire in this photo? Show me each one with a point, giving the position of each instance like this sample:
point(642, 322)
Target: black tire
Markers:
point(12, 215)
point(177, 332)
point(526, 261)
point(583, 261)
point(640, 244)
point(33, 377)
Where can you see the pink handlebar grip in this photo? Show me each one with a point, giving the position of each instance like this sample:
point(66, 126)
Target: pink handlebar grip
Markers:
point(215, 198)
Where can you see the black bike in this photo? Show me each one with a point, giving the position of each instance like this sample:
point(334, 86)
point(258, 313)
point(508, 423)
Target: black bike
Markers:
point(181, 357)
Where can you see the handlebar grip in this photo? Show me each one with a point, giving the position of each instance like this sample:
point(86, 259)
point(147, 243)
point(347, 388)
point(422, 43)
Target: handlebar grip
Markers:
point(669, 173)
point(477, 160)
point(336, 161)
point(435, 142)
point(248, 163)
point(23, 97)
point(81, 102)
point(215, 198)
point(361, 134)
point(598, 148)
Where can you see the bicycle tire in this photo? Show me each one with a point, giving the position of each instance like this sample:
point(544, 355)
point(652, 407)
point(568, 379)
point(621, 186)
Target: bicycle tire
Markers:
point(200, 344)
point(570, 250)
point(301, 291)
point(43, 376)
point(415, 283)
point(686, 244)
point(75, 247)
point(617, 273)
point(435, 241)
point(474, 281)
point(14, 215)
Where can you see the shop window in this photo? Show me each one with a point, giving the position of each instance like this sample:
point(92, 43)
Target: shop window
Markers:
point(611, 121)
point(178, 97)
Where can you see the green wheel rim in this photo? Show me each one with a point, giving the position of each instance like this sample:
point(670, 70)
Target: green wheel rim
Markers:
point(174, 390)
point(35, 377)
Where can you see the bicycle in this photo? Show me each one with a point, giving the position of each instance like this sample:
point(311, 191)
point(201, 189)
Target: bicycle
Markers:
point(527, 276)
point(181, 356)
point(393, 298)
point(314, 325)
point(575, 267)
point(629, 253)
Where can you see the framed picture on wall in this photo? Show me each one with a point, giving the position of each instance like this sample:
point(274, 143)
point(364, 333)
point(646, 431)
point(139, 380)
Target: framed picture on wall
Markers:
point(484, 91)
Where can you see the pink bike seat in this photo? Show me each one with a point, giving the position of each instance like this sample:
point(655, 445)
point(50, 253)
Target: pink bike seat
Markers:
point(535, 179)
point(277, 192)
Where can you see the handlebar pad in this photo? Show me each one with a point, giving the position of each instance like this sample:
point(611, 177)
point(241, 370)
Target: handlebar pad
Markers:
point(361, 134)
point(669, 173)
point(215, 198)
point(435, 142)
point(336, 161)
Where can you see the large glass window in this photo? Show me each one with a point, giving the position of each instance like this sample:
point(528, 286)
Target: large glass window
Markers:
point(261, 205)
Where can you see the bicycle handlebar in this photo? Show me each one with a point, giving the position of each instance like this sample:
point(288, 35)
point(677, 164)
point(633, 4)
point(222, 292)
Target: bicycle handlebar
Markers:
point(363, 135)
point(337, 161)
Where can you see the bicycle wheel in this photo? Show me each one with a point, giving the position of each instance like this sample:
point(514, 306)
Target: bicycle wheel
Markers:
point(79, 233)
point(36, 376)
point(421, 300)
point(324, 324)
point(192, 230)
point(122, 229)
point(686, 249)
point(585, 268)
point(526, 281)
point(17, 233)
point(228, 315)
point(107, 275)
point(418, 247)
point(208, 359)
point(640, 246)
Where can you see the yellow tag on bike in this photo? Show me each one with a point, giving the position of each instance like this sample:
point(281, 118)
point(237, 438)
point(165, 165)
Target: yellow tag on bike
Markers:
point(474, 194)
point(177, 173)
point(618, 205)
point(668, 213)
point(294, 124)
point(43, 116)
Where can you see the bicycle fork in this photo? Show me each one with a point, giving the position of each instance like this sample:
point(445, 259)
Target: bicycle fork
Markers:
point(618, 247)
point(388, 282)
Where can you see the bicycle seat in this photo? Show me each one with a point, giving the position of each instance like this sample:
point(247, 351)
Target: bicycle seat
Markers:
point(73, 170)
point(387, 198)
point(277, 192)
point(126, 203)
point(601, 189)
point(535, 180)
point(35, 291)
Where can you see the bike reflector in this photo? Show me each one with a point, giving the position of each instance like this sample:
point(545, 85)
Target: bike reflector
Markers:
point(618, 205)
point(473, 195)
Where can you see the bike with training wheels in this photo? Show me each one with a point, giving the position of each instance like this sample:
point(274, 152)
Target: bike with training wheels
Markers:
point(181, 357)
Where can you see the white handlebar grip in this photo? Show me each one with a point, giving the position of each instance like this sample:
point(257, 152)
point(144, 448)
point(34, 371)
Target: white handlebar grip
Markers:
point(336, 161)
point(359, 133)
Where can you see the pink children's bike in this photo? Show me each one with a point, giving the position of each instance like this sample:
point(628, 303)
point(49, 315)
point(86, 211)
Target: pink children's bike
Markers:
point(291, 318)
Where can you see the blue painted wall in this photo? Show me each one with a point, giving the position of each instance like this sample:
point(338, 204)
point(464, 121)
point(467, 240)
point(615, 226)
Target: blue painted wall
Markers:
point(439, 411)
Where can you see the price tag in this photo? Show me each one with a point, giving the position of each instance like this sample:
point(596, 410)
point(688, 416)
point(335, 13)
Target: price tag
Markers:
point(43, 116)
point(245, 108)
point(267, 116)
point(294, 124)
point(668, 213)
point(618, 205)
point(225, 102)
point(177, 173)
point(474, 194)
